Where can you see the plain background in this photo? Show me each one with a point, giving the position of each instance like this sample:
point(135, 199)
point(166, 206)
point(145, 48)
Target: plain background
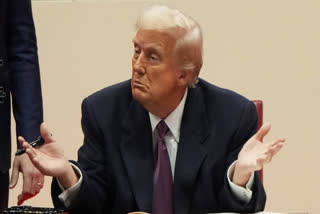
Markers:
point(263, 49)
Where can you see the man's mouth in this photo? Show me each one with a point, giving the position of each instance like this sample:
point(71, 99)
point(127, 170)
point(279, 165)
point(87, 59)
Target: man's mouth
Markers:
point(138, 84)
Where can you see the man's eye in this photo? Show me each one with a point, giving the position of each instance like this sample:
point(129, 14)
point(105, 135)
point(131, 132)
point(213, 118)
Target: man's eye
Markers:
point(136, 51)
point(154, 57)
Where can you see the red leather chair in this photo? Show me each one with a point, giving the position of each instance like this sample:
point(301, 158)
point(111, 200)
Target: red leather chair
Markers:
point(259, 106)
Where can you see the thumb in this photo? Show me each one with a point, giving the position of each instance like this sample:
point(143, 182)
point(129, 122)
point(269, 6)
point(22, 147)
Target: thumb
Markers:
point(21, 140)
point(14, 176)
point(46, 134)
point(263, 131)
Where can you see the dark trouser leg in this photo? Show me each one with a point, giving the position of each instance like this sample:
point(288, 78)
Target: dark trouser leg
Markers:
point(4, 190)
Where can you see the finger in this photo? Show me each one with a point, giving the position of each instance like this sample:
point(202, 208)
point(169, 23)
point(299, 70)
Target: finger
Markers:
point(275, 145)
point(27, 196)
point(34, 156)
point(263, 131)
point(46, 134)
point(27, 183)
point(23, 197)
point(275, 142)
point(20, 199)
point(25, 145)
point(276, 148)
point(31, 152)
point(34, 186)
point(41, 179)
point(271, 151)
point(269, 157)
point(14, 175)
point(21, 140)
point(39, 183)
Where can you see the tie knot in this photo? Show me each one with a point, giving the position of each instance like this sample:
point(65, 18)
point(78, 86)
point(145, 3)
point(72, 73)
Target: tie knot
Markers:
point(162, 129)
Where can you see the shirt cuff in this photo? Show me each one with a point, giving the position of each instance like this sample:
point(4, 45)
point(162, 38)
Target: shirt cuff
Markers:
point(68, 195)
point(243, 194)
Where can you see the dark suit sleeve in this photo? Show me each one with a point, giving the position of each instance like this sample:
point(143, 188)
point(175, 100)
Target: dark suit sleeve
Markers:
point(24, 69)
point(246, 129)
point(94, 194)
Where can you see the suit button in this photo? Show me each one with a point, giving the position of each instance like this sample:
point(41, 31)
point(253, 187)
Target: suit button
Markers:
point(2, 95)
point(1, 62)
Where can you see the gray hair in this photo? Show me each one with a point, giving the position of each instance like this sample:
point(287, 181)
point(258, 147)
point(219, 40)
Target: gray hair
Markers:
point(184, 29)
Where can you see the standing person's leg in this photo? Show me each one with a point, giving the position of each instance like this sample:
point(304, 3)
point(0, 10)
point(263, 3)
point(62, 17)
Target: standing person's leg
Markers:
point(4, 190)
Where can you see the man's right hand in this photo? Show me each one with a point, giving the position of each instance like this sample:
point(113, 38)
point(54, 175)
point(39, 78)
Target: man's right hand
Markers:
point(49, 159)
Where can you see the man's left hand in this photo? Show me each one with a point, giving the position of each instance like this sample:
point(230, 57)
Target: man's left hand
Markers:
point(254, 154)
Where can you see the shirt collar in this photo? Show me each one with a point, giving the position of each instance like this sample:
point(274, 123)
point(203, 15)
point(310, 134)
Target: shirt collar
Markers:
point(173, 120)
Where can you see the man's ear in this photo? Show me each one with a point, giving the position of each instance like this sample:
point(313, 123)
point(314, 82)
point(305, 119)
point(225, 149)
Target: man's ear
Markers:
point(184, 77)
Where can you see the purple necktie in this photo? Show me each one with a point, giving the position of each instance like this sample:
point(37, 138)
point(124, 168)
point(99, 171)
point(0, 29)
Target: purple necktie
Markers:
point(162, 177)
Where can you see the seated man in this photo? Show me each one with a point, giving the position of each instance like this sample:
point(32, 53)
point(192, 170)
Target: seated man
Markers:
point(165, 141)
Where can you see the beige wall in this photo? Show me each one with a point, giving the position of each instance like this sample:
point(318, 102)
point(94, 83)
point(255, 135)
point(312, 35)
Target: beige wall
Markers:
point(263, 49)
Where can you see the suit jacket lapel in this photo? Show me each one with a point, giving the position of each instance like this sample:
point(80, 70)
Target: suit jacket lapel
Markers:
point(136, 151)
point(191, 154)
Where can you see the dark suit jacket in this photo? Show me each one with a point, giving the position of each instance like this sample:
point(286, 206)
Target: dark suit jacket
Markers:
point(116, 158)
point(19, 75)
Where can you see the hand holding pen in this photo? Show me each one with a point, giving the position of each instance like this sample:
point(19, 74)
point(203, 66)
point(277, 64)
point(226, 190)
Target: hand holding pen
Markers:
point(49, 158)
point(33, 179)
point(38, 142)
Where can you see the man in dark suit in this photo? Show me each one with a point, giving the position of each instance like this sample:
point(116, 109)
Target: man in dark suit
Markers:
point(163, 142)
point(19, 75)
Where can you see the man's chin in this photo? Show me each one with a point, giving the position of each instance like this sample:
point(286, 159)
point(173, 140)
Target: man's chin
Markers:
point(139, 95)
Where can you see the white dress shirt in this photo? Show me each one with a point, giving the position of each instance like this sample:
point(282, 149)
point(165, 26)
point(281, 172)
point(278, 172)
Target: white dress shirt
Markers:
point(172, 138)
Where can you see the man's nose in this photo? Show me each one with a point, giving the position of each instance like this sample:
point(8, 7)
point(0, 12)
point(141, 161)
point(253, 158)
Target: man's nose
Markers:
point(139, 65)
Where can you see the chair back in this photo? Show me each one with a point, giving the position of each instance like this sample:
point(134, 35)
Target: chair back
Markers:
point(259, 107)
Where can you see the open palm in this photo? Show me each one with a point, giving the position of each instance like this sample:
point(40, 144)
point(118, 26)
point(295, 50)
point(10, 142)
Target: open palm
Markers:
point(254, 154)
point(49, 159)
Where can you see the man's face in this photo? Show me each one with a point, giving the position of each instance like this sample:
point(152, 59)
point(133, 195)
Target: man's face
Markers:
point(155, 72)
